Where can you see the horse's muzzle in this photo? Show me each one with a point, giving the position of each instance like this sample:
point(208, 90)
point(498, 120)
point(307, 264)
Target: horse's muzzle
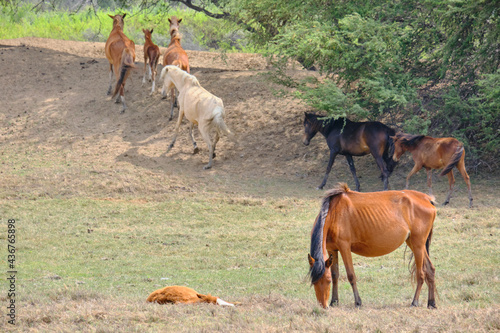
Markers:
point(306, 142)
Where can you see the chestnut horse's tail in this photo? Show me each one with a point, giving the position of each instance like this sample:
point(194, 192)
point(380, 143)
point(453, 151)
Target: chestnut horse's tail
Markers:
point(316, 251)
point(125, 66)
point(454, 160)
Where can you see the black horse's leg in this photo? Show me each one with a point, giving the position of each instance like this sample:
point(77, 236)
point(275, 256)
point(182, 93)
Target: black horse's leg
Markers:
point(383, 169)
point(333, 154)
point(350, 161)
point(335, 278)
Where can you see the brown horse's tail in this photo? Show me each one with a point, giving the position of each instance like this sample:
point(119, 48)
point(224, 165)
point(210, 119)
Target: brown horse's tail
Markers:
point(454, 160)
point(125, 66)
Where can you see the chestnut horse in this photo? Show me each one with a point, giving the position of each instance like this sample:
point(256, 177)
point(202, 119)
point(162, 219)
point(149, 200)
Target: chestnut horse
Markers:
point(350, 139)
point(370, 225)
point(175, 55)
point(151, 56)
point(433, 153)
point(180, 294)
point(199, 106)
point(120, 52)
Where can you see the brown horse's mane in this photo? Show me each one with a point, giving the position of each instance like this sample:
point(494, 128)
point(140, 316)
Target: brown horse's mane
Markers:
point(316, 251)
point(410, 140)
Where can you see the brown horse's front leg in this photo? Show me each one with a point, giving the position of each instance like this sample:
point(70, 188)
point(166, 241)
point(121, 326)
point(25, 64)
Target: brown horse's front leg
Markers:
point(416, 168)
point(349, 268)
point(335, 278)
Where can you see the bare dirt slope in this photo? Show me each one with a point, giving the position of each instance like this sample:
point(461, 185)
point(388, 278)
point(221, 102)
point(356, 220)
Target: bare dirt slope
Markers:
point(54, 103)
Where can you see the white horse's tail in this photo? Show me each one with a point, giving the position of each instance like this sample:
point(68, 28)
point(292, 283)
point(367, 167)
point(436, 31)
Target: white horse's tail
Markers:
point(221, 125)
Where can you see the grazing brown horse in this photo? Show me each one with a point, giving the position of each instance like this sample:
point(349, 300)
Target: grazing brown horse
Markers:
point(433, 153)
point(175, 55)
point(370, 224)
point(180, 294)
point(350, 139)
point(151, 56)
point(120, 52)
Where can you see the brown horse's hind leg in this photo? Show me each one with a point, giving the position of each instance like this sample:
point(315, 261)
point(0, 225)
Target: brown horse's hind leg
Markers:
point(430, 273)
point(463, 172)
point(451, 181)
point(349, 268)
point(418, 253)
point(335, 278)
point(110, 80)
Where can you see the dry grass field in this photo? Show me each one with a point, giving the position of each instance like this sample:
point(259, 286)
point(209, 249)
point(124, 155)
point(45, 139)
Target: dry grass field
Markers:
point(104, 216)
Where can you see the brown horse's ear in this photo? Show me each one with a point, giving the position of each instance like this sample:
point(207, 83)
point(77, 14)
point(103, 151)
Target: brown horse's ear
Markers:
point(311, 260)
point(169, 21)
point(151, 32)
point(329, 262)
point(111, 16)
point(179, 21)
point(124, 15)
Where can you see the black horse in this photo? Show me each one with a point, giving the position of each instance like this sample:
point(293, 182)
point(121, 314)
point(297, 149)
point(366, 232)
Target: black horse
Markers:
point(350, 139)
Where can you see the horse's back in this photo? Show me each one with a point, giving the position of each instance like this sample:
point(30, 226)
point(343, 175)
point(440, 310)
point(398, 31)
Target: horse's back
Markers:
point(377, 223)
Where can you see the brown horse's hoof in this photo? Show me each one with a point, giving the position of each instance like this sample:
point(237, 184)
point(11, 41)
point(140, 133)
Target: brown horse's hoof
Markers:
point(196, 150)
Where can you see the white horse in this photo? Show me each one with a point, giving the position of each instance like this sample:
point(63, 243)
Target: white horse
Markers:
point(198, 105)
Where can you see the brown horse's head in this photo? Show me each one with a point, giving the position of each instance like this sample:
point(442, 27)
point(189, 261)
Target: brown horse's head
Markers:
point(322, 283)
point(174, 24)
point(399, 148)
point(118, 20)
point(147, 33)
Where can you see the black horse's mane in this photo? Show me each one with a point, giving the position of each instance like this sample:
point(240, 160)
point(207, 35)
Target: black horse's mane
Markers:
point(326, 124)
point(316, 251)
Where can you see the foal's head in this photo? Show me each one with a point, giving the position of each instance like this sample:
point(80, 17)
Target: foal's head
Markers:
point(118, 20)
point(147, 33)
point(311, 127)
point(321, 278)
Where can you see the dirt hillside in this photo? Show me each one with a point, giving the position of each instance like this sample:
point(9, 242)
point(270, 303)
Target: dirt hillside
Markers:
point(54, 104)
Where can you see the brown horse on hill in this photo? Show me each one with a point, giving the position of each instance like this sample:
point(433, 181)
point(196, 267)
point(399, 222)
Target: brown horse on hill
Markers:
point(370, 224)
point(151, 56)
point(175, 55)
point(433, 153)
point(120, 52)
point(350, 138)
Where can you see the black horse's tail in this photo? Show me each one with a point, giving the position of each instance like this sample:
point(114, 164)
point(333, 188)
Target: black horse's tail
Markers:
point(318, 268)
point(389, 151)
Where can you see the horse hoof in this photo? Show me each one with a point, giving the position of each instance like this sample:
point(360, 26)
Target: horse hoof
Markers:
point(206, 167)
point(445, 203)
point(319, 188)
point(196, 150)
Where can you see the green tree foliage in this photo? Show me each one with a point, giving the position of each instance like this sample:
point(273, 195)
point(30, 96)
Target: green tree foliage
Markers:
point(429, 67)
